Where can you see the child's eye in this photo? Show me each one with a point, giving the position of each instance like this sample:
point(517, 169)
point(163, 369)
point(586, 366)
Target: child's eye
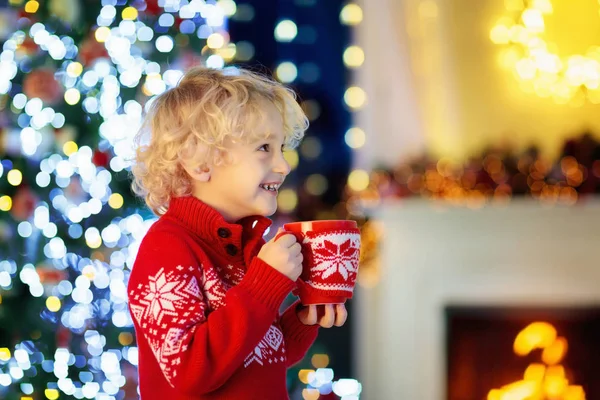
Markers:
point(266, 147)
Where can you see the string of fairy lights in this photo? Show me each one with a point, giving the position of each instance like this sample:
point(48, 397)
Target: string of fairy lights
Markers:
point(536, 63)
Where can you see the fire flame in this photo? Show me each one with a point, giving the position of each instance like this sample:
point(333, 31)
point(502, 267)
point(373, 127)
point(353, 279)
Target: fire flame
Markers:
point(540, 381)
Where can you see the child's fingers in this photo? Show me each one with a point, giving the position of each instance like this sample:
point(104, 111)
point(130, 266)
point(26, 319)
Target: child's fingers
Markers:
point(329, 317)
point(341, 314)
point(311, 318)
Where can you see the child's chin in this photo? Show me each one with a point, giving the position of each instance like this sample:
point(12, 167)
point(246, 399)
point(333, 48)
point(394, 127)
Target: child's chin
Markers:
point(268, 212)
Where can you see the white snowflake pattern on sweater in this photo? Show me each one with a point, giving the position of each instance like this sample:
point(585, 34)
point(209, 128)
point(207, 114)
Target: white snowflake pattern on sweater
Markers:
point(214, 289)
point(171, 302)
point(270, 348)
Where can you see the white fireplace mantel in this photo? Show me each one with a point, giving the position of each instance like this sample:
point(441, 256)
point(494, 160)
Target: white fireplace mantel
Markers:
point(522, 254)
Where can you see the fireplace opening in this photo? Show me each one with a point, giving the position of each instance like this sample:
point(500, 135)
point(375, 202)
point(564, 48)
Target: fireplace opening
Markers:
point(517, 353)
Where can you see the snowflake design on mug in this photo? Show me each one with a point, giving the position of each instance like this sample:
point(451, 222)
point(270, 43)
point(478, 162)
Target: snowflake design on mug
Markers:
point(335, 253)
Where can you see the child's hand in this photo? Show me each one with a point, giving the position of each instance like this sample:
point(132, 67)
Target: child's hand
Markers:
point(326, 315)
point(285, 255)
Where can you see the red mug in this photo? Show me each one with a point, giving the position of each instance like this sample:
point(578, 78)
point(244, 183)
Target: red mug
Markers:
point(331, 251)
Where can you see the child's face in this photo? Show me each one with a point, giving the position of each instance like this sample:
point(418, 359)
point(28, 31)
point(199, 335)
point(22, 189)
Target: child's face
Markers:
point(234, 189)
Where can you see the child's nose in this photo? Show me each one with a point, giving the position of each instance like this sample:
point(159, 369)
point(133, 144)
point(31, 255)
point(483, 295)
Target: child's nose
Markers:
point(281, 165)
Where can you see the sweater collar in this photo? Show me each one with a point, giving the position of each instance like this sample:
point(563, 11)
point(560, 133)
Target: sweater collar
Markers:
point(237, 241)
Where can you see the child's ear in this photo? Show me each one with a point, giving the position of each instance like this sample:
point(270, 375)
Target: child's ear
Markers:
point(199, 173)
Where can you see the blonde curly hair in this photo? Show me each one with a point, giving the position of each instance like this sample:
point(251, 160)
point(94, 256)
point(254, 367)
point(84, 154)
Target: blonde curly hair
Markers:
point(191, 123)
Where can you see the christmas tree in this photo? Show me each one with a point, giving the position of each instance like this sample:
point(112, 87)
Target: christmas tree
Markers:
point(75, 78)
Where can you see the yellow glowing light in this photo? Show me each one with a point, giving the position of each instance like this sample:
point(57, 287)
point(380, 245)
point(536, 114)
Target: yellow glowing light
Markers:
point(554, 353)
point(215, 41)
point(5, 203)
point(26, 398)
point(89, 271)
point(536, 335)
point(102, 34)
point(287, 200)
point(355, 137)
point(311, 147)
point(125, 338)
point(74, 69)
point(533, 19)
point(115, 201)
point(555, 386)
point(494, 394)
point(545, 6)
point(310, 394)
point(228, 6)
point(519, 390)
point(32, 6)
point(574, 392)
point(53, 303)
point(14, 177)
point(351, 14)
point(303, 375)
point(555, 371)
point(292, 158)
point(535, 372)
point(354, 56)
point(286, 31)
point(537, 65)
point(5, 354)
point(286, 72)
point(358, 180)
point(320, 360)
point(70, 147)
point(72, 96)
point(499, 35)
point(94, 243)
point(355, 97)
point(51, 394)
point(228, 52)
point(514, 5)
point(129, 13)
point(316, 184)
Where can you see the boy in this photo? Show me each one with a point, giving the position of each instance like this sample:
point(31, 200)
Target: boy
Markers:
point(205, 289)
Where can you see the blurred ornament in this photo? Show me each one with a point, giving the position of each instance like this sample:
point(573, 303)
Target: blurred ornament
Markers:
point(91, 50)
point(50, 276)
point(24, 202)
point(100, 158)
point(74, 191)
point(67, 10)
point(63, 336)
point(27, 48)
point(42, 84)
point(152, 7)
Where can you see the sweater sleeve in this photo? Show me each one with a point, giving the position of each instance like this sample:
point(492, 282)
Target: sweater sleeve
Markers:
point(198, 352)
point(298, 337)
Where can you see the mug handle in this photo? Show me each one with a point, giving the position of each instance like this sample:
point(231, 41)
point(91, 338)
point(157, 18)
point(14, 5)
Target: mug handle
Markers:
point(300, 236)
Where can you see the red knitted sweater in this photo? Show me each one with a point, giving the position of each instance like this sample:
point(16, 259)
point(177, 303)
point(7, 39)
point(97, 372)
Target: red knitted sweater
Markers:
point(206, 309)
